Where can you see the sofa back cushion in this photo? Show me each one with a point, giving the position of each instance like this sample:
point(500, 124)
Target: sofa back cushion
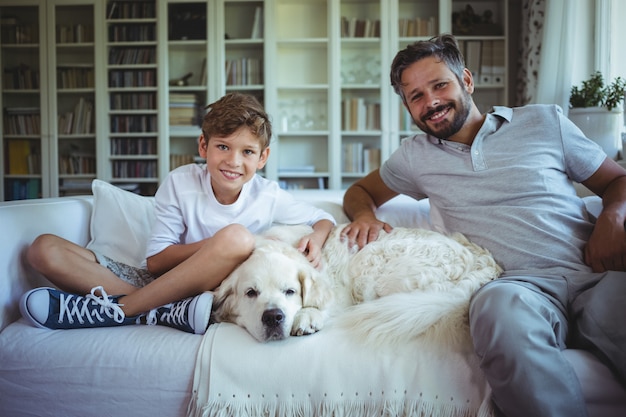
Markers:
point(121, 223)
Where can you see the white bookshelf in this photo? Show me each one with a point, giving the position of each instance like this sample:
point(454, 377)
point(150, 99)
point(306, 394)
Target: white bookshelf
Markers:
point(320, 67)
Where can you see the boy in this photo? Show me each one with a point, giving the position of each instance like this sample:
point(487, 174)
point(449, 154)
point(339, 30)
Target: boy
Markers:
point(206, 218)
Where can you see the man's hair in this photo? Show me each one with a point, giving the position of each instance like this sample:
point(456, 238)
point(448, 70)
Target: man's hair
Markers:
point(443, 47)
point(233, 111)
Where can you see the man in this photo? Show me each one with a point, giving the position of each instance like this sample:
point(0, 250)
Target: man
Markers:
point(504, 180)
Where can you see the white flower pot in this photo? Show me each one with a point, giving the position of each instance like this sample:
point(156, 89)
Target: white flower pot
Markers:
point(602, 126)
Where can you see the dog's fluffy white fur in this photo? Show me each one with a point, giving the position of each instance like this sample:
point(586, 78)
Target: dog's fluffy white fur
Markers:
point(407, 283)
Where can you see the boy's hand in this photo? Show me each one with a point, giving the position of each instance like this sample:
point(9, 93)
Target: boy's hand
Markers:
point(311, 249)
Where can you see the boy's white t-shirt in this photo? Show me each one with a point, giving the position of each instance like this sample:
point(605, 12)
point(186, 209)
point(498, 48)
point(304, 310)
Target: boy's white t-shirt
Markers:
point(187, 211)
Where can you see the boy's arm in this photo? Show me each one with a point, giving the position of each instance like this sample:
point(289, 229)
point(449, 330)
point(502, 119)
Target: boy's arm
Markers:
point(311, 245)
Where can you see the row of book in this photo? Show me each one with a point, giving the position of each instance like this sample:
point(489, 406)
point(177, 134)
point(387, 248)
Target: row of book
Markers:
point(183, 109)
point(352, 27)
point(358, 114)
point(135, 169)
point(22, 189)
point(79, 121)
point(132, 78)
point(133, 123)
point(76, 77)
point(14, 33)
point(133, 101)
point(131, 10)
point(177, 160)
point(22, 121)
point(359, 158)
point(132, 56)
point(21, 77)
point(244, 71)
point(75, 186)
point(486, 60)
point(133, 146)
point(132, 33)
point(76, 163)
point(23, 157)
point(77, 33)
point(419, 26)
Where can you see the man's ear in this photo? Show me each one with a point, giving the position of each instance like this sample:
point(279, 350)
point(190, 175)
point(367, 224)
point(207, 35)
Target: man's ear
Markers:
point(468, 81)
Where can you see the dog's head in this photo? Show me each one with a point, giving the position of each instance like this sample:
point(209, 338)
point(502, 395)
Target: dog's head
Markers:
point(264, 294)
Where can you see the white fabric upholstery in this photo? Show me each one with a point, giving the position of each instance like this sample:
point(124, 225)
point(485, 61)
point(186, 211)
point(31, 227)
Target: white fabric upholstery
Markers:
point(148, 371)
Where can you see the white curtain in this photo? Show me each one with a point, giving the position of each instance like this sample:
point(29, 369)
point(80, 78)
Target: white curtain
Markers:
point(545, 74)
point(555, 63)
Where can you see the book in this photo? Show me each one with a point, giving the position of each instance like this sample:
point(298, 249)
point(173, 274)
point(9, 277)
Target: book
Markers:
point(472, 57)
point(257, 25)
point(19, 153)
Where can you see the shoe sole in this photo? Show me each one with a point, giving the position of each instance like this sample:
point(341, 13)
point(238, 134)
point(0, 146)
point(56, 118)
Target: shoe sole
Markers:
point(207, 313)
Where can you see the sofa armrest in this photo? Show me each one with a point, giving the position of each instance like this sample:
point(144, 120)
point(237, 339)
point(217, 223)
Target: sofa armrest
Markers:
point(21, 222)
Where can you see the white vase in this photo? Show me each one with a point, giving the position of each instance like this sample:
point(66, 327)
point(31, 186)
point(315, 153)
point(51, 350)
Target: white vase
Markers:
point(602, 126)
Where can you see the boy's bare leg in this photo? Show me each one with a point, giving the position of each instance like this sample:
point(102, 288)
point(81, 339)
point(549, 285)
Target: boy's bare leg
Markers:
point(73, 268)
point(203, 271)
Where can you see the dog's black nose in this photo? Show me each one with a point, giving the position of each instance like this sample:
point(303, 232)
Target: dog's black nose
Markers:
point(273, 317)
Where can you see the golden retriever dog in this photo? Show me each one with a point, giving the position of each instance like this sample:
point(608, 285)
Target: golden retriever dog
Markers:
point(407, 283)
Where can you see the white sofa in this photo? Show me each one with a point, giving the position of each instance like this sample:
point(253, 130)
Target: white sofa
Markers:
point(157, 371)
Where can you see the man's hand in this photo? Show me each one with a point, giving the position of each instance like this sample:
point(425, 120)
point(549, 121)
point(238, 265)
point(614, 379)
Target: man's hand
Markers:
point(606, 248)
point(363, 231)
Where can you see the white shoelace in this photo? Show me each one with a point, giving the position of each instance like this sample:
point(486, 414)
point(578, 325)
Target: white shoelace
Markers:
point(174, 314)
point(74, 307)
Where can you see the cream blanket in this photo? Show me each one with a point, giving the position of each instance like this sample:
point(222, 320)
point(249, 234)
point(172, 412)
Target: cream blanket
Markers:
point(328, 374)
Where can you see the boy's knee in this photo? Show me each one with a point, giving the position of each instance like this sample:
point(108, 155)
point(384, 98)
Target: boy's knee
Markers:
point(236, 239)
point(40, 249)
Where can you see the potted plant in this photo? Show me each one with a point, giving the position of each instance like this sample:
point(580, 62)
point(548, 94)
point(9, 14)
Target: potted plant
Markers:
point(596, 108)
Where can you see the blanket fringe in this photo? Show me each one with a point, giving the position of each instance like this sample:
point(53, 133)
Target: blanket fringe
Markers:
point(398, 408)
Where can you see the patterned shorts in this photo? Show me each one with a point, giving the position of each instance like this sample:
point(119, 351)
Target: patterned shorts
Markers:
point(138, 277)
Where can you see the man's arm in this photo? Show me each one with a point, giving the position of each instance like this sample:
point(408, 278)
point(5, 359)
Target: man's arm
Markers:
point(606, 248)
point(360, 203)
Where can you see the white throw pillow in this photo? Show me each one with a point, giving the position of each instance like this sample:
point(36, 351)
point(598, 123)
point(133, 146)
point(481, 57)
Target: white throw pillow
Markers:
point(121, 223)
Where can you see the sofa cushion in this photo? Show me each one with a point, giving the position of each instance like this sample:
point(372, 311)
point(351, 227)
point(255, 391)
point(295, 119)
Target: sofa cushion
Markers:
point(121, 223)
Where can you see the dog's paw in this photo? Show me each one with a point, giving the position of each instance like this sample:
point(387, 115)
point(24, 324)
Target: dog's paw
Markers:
point(307, 321)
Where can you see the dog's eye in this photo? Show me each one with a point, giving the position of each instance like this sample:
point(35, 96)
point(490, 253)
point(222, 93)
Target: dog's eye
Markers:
point(290, 291)
point(251, 293)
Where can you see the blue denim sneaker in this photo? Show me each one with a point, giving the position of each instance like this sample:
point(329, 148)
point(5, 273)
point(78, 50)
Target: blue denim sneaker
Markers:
point(54, 309)
point(190, 315)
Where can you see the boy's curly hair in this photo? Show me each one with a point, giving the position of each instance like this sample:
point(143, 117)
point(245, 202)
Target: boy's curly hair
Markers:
point(235, 110)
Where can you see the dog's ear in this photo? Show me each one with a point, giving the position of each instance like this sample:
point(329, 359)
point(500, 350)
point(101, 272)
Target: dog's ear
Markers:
point(222, 302)
point(315, 289)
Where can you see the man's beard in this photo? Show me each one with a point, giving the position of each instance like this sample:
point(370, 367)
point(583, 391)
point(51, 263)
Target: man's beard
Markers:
point(462, 110)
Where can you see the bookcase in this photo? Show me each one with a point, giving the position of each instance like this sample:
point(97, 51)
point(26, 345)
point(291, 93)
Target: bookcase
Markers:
point(116, 89)
point(74, 65)
point(133, 136)
point(24, 125)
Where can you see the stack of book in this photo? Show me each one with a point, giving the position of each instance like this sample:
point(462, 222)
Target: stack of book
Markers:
point(183, 109)
point(359, 115)
point(358, 158)
point(80, 121)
